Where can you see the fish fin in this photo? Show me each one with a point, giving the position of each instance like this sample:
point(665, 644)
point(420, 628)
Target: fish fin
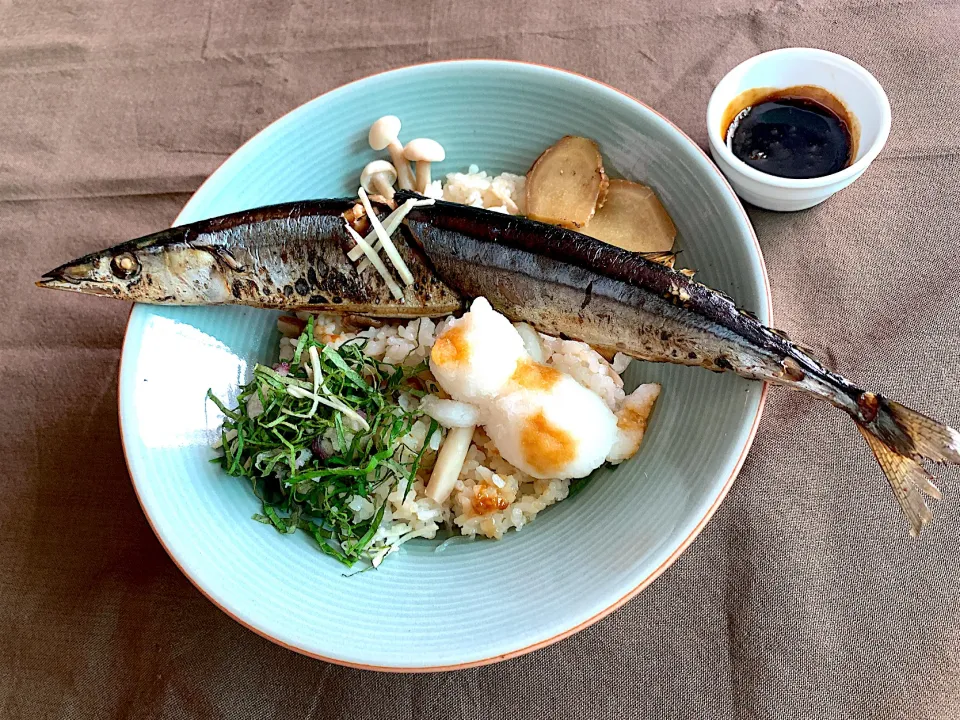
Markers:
point(669, 259)
point(906, 477)
point(900, 439)
point(663, 258)
point(908, 432)
point(930, 439)
point(807, 350)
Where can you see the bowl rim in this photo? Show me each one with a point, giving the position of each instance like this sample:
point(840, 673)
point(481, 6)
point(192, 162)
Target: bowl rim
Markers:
point(852, 171)
point(659, 570)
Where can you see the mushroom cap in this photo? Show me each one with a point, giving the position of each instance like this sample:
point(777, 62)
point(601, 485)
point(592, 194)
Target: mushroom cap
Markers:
point(384, 131)
point(424, 150)
point(378, 167)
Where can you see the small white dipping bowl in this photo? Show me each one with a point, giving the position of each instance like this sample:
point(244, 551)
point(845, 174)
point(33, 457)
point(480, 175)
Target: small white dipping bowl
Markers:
point(848, 82)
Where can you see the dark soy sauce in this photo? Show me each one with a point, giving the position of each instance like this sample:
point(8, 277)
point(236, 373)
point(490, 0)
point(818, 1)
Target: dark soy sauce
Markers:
point(796, 132)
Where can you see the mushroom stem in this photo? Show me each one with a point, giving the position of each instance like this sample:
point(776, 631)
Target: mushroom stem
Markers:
point(378, 177)
point(423, 151)
point(450, 461)
point(404, 173)
point(423, 175)
point(382, 187)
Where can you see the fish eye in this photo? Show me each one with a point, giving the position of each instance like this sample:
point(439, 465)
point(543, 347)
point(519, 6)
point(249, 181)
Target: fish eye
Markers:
point(125, 265)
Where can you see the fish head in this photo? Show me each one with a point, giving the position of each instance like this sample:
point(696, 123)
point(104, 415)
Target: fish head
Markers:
point(163, 268)
point(112, 274)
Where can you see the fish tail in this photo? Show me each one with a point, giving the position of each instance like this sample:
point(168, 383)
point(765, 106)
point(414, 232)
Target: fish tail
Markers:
point(901, 439)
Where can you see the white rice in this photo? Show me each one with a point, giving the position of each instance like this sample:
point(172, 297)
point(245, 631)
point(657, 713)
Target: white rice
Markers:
point(502, 193)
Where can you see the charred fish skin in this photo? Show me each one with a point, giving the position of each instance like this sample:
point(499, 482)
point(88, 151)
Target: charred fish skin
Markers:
point(294, 256)
point(619, 298)
point(288, 257)
point(565, 283)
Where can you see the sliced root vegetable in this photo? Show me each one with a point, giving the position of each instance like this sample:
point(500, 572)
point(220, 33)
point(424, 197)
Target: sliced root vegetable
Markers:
point(405, 275)
point(566, 183)
point(391, 225)
point(330, 402)
point(377, 263)
point(633, 218)
point(450, 461)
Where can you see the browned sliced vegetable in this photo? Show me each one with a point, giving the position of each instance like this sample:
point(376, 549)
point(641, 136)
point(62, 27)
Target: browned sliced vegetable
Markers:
point(567, 183)
point(632, 218)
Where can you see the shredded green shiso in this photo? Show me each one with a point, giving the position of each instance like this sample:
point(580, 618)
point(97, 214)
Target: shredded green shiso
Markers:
point(355, 404)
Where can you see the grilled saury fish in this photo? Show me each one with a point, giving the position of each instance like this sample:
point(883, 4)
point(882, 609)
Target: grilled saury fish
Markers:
point(294, 256)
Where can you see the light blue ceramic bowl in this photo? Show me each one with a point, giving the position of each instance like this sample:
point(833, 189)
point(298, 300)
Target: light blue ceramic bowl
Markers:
point(471, 603)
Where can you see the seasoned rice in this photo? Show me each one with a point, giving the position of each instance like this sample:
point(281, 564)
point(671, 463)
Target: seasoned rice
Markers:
point(490, 496)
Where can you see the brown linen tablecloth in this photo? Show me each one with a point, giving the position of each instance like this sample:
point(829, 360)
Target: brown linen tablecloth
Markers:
point(803, 598)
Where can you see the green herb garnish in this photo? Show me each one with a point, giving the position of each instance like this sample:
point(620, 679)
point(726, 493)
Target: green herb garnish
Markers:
point(286, 420)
